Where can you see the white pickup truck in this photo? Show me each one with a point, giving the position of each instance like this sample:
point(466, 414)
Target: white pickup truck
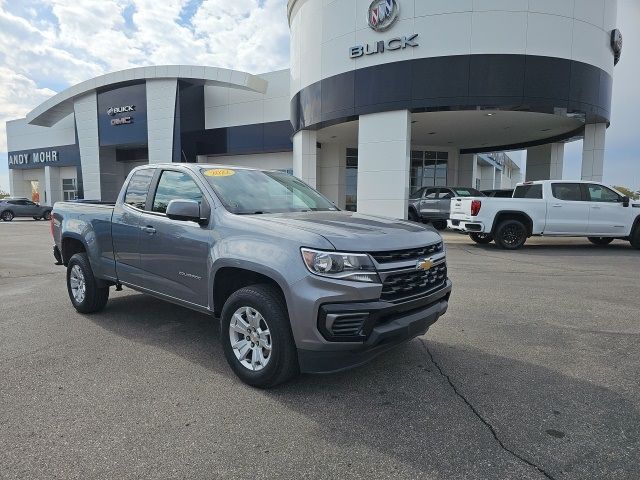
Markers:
point(549, 208)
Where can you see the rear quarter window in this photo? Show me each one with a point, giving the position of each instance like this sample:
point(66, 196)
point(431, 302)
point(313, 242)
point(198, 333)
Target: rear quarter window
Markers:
point(528, 191)
point(138, 188)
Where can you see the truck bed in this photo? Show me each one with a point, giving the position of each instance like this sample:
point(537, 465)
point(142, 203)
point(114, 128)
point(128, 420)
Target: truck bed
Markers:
point(89, 222)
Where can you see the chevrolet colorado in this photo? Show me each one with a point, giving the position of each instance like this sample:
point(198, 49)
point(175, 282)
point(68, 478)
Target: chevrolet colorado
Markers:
point(549, 208)
point(297, 285)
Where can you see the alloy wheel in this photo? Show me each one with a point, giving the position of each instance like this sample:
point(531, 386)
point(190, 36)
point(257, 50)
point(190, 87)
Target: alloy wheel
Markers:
point(78, 284)
point(250, 338)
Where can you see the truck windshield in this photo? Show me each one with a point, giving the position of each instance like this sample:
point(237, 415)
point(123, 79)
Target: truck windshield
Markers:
point(249, 192)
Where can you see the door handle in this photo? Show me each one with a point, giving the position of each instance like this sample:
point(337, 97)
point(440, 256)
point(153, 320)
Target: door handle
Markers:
point(149, 229)
point(557, 205)
point(595, 207)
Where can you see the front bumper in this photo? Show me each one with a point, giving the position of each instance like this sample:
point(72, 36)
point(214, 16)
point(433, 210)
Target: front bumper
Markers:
point(387, 325)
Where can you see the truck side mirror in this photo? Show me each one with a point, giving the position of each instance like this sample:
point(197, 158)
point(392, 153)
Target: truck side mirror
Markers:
point(184, 210)
point(626, 201)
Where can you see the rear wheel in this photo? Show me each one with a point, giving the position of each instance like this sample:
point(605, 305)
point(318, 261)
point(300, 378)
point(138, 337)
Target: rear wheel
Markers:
point(635, 238)
point(600, 241)
point(47, 215)
point(439, 224)
point(7, 216)
point(84, 292)
point(481, 238)
point(256, 337)
point(511, 235)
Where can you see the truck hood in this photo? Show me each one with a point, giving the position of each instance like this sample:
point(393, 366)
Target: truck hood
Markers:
point(356, 232)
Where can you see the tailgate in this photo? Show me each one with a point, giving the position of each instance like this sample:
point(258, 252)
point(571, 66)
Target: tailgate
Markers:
point(461, 208)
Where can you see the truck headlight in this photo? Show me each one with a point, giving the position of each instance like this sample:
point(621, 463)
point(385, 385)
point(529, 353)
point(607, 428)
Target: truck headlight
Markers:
point(357, 267)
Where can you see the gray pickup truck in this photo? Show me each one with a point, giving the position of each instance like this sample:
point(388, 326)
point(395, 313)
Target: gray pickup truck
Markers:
point(297, 285)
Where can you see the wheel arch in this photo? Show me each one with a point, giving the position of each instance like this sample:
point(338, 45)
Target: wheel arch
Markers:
point(70, 244)
point(229, 278)
point(503, 215)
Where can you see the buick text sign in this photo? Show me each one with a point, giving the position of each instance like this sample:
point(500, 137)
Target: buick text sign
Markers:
point(398, 43)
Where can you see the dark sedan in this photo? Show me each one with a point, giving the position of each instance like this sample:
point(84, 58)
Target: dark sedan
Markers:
point(11, 208)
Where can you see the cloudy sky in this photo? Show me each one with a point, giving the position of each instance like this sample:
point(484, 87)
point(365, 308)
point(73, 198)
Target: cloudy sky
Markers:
point(48, 45)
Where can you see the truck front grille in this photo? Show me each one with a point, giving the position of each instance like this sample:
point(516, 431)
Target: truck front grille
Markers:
point(408, 284)
point(400, 255)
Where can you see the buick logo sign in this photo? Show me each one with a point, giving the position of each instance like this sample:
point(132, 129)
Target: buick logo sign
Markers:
point(111, 111)
point(383, 14)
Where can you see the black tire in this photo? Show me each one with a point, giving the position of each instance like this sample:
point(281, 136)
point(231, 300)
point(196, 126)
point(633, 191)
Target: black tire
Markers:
point(439, 224)
point(511, 235)
point(282, 363)
point(413, 216)
point(481, 238)
point(635, 238)
point(600, 241)
point(46, 215)
point(7, 216)
point(37, 219)
point(95, 298)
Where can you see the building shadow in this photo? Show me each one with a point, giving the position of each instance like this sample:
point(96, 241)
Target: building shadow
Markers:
point(435, 418)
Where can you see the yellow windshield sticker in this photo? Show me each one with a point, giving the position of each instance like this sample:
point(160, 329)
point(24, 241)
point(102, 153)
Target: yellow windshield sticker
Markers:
point(219, 172)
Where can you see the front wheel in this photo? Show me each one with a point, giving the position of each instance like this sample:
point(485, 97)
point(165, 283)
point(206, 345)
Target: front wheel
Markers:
point(511, 235)
point(413, 216)
point(84, 292)
point(481, 238)
point(37, 219)
point(6, 216)
point(47, 215)
point(256, 337)
point(600, 241)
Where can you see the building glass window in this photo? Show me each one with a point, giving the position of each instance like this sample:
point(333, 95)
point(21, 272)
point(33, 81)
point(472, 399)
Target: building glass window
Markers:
point(69, 189)
point(428, 169)
point(352, 180)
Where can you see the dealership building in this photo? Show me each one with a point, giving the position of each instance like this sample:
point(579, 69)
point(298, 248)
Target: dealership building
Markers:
point(382, 98)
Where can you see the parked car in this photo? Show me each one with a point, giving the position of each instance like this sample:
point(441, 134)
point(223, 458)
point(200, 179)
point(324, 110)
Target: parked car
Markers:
point(499, 193)
point(297, 285)
point(549, 208)
point(13, 207)
point(433, 204)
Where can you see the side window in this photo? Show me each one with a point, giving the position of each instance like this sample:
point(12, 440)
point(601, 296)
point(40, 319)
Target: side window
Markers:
point(431, 194)
point(445, 194)
point(417, 194)
point(570, 192)
point(528, 191)
point(598, 193)
point(138, 188)
point(173, 186)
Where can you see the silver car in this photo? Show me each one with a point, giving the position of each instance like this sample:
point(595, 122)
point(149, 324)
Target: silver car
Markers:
point(22, 207)
point(433, 204)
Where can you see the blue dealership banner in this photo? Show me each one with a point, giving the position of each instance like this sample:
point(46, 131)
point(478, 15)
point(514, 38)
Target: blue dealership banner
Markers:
point(61, 156)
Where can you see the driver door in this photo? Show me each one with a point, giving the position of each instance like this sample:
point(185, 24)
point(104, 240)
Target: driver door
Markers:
point(174, 254)
point(429, 203)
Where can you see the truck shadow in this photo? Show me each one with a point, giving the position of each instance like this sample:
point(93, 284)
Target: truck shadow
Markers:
point(403, 407)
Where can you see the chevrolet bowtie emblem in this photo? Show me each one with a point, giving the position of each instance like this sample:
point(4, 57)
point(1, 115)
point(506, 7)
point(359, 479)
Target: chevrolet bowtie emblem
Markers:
point(424, 265)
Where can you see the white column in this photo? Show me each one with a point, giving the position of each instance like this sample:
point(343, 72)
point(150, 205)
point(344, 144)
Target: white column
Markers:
point(332, 173)
point(305, 156)
point(467, 170)
point(161, 106)
point(52, 184)
point(593, 152)
point(545, 162)
point(86, 114)
point(384, 148)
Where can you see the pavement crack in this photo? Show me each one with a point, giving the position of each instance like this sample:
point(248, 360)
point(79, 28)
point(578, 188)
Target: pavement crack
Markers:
point(481, 418)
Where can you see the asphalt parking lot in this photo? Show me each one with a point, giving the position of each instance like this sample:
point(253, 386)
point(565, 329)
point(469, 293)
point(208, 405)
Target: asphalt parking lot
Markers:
point(533, 373)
